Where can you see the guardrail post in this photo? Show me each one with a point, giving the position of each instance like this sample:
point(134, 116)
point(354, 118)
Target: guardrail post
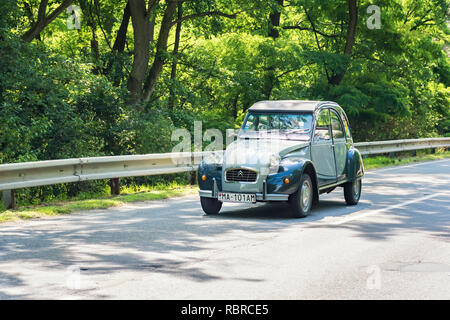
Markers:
point(115, 186)
point(192, 178)
point(9, 199)
point(391, 154)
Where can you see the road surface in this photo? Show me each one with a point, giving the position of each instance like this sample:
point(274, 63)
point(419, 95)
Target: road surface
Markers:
point(395, 244)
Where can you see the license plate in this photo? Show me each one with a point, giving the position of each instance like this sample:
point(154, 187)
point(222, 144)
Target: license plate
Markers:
point(236, 197)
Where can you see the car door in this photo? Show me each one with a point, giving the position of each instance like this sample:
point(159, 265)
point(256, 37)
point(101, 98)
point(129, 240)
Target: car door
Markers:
point(322, 153)
point(339, 143)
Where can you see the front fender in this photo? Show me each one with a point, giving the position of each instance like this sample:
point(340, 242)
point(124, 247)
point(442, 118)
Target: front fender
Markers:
point(294, 171)
point(211, 171)
point(354, 166)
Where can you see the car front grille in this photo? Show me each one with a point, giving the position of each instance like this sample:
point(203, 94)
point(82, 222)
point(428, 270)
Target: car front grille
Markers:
point(241, 175)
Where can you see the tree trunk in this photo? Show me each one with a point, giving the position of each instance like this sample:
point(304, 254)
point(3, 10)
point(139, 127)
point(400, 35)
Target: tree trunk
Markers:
point(336, 79)
point(235, 102)
point(274, 22)
point(140, 21)
point(173, 73)
point(94, 44)
point(43, 20)
point(161, 47)
point(30, 16)
point(274, 18)
point(119, 43)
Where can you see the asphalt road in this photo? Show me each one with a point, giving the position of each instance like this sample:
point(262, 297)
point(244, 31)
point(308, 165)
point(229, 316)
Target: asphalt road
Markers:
point(395, 244)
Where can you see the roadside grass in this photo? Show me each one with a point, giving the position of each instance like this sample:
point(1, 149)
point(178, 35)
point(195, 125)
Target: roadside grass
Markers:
point(86, 201)
point(383, 161)
point(130, 194)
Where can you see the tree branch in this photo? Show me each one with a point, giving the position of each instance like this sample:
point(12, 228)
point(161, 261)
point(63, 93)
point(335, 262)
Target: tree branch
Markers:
point(97, 11)
point(349, 40)
point(151, 6)
point(421, 23)
point(119, 43)
point(409, 13)
point(42, 9)
point(63, 6)
point(161, 47)
point(288, 71)
point(203, 14)
point(43, 20)
point(297, 27)
point(29, 12)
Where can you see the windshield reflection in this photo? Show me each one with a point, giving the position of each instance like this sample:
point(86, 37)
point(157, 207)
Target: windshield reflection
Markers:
point(291, 126)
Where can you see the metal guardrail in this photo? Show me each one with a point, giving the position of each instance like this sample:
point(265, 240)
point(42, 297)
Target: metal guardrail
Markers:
point(41, 173)
point(379, 147)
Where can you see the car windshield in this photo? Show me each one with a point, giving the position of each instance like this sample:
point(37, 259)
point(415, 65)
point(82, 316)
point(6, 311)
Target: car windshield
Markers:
point(278, 125)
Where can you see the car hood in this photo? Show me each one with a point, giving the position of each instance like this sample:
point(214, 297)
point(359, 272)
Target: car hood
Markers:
point(254, 153)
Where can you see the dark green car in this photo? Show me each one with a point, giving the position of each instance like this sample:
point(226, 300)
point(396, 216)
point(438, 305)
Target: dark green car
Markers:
point(287, 150)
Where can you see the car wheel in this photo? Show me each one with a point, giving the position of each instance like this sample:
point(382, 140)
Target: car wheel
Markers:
point(352, 192)
point(210, 205)
point(302, 200)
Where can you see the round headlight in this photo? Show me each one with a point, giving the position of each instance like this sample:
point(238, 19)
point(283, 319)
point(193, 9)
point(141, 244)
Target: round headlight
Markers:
point(274, 163)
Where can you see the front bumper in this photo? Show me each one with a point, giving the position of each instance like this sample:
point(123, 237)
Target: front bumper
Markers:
point(259, 196)
point(270, 188)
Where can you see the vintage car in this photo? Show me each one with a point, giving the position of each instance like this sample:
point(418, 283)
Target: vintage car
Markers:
point(288, 150)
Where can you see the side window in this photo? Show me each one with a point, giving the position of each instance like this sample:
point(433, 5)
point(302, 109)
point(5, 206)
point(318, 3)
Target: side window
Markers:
point(322, 131)
point(347, 129)
point(251, 122)
point(336, 126)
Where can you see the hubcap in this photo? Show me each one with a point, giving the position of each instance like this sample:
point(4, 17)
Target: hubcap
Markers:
point(356, 188)
point(306, 195)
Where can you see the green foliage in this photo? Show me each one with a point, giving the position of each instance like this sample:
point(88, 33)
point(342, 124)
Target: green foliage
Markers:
point(38, 105)
point(147, 132)
point(10, 14)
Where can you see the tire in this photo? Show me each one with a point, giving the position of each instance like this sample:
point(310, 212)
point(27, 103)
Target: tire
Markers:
point(210, 206)
point(352, 192)
point(302, 200)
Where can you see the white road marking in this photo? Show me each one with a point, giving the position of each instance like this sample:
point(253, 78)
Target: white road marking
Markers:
point(373, 212)
point(373, 171)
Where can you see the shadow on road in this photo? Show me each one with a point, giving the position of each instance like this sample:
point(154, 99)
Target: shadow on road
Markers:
point(430, 216)
point(167, 236)
point(9, 281)
point(281, 212)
